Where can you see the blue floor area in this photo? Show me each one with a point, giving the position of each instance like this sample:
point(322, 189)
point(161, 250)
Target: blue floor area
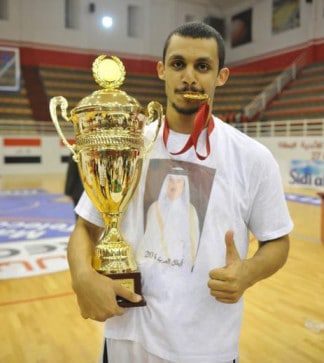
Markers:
point(305, 199)
point(34, 230)
point(34, 214)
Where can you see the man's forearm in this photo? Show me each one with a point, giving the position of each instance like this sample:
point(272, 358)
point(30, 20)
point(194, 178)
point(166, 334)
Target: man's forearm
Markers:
point(268, 259)
point(80, 248)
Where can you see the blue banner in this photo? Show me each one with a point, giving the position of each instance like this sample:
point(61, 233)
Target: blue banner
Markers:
point(29, 215)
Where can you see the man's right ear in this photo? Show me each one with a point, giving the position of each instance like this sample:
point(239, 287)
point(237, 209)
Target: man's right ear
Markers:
point(160, 70)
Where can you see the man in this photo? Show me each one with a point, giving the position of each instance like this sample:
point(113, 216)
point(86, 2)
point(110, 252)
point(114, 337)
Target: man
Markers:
point(197, 320)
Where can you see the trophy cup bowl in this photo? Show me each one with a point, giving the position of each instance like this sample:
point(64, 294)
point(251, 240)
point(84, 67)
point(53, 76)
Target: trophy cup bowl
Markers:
point(109, 149)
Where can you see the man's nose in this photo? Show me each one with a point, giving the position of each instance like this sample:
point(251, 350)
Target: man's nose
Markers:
point(189, 75)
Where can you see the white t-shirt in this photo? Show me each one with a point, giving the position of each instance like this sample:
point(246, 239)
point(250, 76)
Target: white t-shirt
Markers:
point(182, 322)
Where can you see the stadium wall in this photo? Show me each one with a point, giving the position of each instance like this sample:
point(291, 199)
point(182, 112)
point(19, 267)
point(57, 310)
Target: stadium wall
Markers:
point(34, 25)
point(36, 55)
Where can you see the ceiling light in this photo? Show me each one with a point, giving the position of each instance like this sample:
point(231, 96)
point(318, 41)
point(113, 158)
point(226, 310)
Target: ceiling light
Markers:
point(107, 21)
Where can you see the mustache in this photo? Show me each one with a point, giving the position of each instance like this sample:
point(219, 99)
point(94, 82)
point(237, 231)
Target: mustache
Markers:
point(187, 89)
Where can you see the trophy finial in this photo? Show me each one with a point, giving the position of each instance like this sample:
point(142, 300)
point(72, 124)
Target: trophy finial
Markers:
point(109, 73)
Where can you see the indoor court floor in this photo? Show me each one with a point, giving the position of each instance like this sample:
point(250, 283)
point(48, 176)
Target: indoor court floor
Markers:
point(41, 323)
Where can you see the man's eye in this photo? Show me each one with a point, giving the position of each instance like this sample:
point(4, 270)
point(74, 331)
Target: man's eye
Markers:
point(203, 67)
point(177, 64)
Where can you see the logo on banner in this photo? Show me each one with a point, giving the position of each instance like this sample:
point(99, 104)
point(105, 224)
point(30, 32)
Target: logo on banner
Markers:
point(27, 258)
point(307, 172)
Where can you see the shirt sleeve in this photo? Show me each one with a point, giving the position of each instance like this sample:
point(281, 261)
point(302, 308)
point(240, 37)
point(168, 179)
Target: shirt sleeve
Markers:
point(87, 211)
point(269, 217)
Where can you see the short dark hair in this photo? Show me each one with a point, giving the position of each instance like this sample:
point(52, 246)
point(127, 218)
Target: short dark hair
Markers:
point(199, 30)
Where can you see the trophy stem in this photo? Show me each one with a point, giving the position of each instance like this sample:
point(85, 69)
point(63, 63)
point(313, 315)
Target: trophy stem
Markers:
point(111, 219)
point(113, 254)
point(114, 258)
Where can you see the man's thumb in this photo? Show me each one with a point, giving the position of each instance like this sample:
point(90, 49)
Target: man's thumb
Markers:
point(231, 252)
point(126, 293)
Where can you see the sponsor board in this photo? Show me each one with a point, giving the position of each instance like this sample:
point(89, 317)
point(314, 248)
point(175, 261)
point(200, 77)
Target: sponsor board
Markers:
point(11, 231)
point(30, 258)
point(307, 173)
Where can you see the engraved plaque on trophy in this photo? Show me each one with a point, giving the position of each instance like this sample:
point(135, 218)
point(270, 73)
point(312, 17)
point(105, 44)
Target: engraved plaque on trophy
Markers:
point(109, 149)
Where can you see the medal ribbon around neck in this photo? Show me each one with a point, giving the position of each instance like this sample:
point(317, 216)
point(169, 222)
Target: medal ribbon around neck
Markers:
point(199, 124)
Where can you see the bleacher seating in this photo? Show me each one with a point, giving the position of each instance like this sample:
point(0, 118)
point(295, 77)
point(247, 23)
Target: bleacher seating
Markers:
point(239, 90)
point(303, 98)
point(74, 84)
point(15, 104)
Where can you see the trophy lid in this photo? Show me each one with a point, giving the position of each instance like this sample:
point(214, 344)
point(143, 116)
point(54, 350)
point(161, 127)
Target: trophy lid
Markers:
point(109, 73)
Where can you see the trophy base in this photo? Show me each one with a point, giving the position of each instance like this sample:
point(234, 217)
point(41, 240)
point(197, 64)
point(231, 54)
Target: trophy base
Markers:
point(132, 281)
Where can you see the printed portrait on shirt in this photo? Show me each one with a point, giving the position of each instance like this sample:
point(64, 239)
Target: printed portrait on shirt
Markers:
point(175, 204)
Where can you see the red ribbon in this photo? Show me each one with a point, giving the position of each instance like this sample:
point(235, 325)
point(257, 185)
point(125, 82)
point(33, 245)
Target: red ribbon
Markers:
point(199, 124)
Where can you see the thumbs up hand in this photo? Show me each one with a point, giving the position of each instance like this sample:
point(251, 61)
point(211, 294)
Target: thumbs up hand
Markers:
point(227, 284)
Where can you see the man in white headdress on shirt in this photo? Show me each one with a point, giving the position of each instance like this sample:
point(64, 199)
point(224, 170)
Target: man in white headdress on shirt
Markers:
point(172, 230)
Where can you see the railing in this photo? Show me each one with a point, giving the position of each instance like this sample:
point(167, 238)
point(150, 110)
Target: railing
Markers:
point(314, 127)
point(306, 128)
point(259, 103)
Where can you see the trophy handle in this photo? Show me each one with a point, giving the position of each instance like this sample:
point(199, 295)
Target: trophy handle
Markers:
point(63, 103)
point(155, 111)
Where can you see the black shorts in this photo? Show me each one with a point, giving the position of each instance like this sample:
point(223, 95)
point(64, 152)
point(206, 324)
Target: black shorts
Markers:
point(105, 354)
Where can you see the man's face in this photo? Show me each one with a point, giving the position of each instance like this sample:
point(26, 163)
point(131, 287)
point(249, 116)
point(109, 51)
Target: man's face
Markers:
point(175, 187)
point(191, 65)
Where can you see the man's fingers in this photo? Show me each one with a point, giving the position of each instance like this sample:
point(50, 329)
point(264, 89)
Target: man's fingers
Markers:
point(227, 301)
point(219, 285)
point(222, 294)
point(221, 274)
point(225, 297)
point(126, 293)
point(103, 316)
point(110, 309)
point(84, 315)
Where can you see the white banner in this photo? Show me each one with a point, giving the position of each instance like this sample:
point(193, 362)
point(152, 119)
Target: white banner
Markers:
point(30, 258)
point(301, 160)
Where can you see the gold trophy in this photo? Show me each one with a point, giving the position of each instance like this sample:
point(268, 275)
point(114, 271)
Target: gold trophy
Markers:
point(109, 149)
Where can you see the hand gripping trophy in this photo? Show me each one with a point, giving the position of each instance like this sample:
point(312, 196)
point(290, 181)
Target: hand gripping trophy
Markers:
point(109, 149)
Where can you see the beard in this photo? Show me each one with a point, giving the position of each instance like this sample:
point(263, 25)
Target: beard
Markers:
point(185, 111)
